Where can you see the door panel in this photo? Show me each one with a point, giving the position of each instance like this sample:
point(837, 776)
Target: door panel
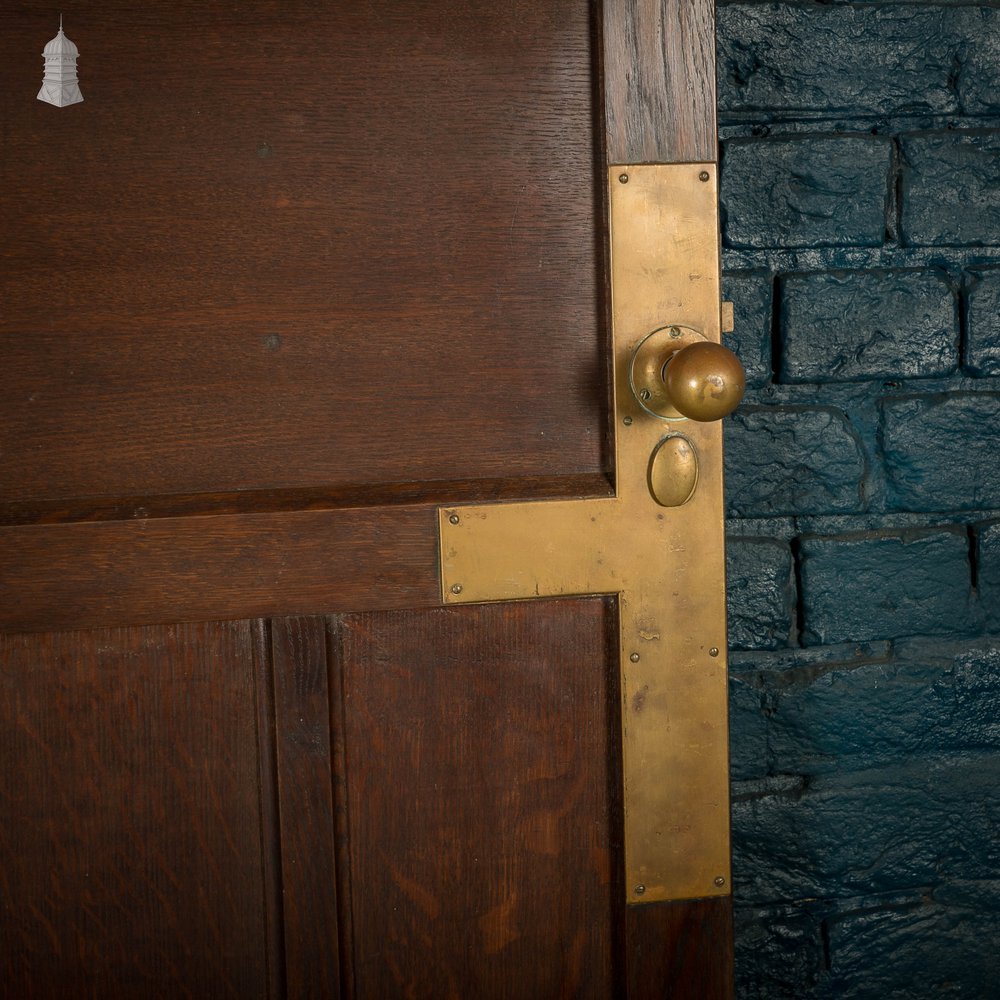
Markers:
point(131, 851)
point(314, 247)
point(481, 824)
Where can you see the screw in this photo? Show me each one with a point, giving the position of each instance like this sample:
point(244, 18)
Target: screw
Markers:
point(640, 889)
point(456, 588)
point(719, 880)
point(623, 178)
point(714, 651)
point(634, 657)
point(644, 394)
point(627, 421)
point(674, 332)
point(703, 176)
point(454, 519)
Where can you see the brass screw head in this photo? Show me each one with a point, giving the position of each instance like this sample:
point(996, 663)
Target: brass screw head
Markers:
point(719, 881)
point(703, 176)
point(640, 889)
point(456, 588)
point(623, 178)
point(634, 657)
point(627, 421)
point(454, 518)
point(714, 651)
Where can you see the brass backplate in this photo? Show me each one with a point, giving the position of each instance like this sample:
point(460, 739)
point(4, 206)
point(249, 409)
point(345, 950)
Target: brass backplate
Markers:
point(665, 564)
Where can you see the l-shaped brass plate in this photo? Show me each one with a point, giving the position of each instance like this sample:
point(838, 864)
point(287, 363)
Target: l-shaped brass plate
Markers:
point(665, 564)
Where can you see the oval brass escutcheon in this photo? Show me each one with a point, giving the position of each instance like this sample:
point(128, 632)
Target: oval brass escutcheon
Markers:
point(673, 471)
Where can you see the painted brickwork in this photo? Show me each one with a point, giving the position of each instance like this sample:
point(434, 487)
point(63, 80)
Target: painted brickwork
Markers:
point(861, 232)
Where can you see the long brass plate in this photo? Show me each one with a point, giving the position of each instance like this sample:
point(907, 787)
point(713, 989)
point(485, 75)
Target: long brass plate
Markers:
point(665, 564)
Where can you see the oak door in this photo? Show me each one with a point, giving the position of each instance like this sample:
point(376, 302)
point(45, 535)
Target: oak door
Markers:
point(292, 277)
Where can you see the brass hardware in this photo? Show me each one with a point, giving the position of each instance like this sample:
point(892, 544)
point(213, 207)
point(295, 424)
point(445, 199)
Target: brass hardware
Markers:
point(728, 317)
point(704, 381)
point(673, 471)
point(676, 373)
point(666, 565)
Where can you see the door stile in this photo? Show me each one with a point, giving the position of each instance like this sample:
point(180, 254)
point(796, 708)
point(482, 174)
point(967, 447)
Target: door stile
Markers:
point(665, 270)
point(660, 107)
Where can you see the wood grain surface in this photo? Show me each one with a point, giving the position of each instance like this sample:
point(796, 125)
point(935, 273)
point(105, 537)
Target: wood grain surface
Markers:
point(303, 246)
point(130, 847)
point(477, 776)
point(681, 950)
point(305, 805)
point(231, 566)
point(659, 81)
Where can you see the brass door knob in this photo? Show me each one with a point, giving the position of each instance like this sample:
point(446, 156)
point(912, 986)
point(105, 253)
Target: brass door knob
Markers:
point(704, 381)
point(676, 373)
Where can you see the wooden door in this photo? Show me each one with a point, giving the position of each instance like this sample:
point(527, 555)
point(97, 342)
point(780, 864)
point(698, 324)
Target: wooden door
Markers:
point(293, 278)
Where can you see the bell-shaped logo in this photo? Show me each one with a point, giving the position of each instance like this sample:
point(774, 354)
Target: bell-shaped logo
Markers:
point(59, 85)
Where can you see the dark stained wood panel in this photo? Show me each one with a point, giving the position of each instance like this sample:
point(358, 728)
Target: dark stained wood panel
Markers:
point(305, 804)
point(205, 568)
point(659, 81)
point(130, 847)
point(275, 501)
point(477, 781)
point(681, 950)
point(300, 246)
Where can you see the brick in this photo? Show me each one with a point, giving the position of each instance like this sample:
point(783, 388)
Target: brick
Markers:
point(978, 77)
point(760, 587)
point(940, 451)
point(836, 59)
point(779, 952)
point(951, 188)
point(982, 346)
point(858, 832)
point(805, 191)
point(748, 731)
point(934, 947)
point(879, 585)
point(930, 697)
point(792, 460)
point(750, 293)
point(988, 551)
point(867, 324)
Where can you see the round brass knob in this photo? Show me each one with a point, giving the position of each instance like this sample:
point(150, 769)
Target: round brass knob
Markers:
point(704, 381)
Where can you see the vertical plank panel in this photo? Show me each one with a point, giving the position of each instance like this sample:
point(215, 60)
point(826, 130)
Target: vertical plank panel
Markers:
point(477, 744)
point(305, 797)
point(130, 846)
point(267, 770)
point(681, 950)
point(659, 81)
point(341, 816)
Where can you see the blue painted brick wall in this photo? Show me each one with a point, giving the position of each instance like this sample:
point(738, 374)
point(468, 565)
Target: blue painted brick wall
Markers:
point(860, 189)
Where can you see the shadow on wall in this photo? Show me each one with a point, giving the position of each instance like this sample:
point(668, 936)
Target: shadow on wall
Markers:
point(860, 154)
